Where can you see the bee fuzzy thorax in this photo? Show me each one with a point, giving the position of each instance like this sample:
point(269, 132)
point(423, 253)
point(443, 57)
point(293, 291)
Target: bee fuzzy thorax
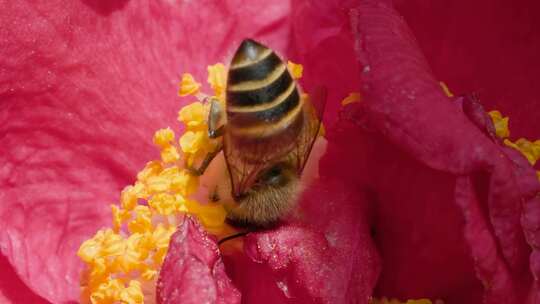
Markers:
point(263, 208)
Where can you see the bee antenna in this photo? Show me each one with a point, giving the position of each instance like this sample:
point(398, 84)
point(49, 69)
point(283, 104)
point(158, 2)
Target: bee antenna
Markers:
point(234, 236)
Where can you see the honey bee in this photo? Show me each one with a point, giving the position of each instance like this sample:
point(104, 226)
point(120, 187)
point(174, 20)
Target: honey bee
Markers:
point(267, 131)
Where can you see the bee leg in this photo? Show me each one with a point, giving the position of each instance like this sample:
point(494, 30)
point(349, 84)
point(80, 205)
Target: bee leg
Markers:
point(234, 236)
point(216, 127)
point(216, 117)
point(214, 195)
point(216, 133)
point(205, 163)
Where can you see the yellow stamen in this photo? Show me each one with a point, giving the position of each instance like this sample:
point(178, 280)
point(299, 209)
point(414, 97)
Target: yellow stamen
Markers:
point(121, 259)
point(170, 154)
point(351, 98)
point(107, 292)
point(217, 78)
point(134, 254)
point(184, 183)
point(142, 221)
point(133, 293)
point(164, 137)
point(295, 69)
point(188, 85)
point(445, 89)
point(160, 238)
point(119, 217)
point(193, 115)
point(157, 184)
point(191, 142)
point(152, 168)
point(149, 274)
point(211, 216)
point(500, 123)
point(322, 130)
point(531, 150)
point(164, 203)
point(128, 198)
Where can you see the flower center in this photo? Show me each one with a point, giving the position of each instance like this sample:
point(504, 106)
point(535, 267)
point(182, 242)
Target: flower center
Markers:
point(123, 261)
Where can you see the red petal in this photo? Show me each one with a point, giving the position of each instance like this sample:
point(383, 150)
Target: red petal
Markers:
point(474, 110)
point(324, 44)
point(415, 223)
point(485, 46)
point(326, 255)
point(405, 105)
point(12, 289)
point(193, 271)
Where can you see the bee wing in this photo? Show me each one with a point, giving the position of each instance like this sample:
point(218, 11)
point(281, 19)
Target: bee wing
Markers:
point(313, 111)
point(242, 173)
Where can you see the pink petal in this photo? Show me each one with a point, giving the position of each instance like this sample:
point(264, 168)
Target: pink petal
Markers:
point(193, 271)
point(83, 84)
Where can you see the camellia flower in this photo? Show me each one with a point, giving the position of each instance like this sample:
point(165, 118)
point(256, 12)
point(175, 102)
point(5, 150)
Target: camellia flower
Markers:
point(421, 194)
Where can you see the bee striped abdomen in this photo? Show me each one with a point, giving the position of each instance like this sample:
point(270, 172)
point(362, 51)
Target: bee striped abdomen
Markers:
point(262, 97)
point(266, 64)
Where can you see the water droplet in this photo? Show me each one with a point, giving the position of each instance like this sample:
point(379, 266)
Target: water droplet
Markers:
point(283, 286)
